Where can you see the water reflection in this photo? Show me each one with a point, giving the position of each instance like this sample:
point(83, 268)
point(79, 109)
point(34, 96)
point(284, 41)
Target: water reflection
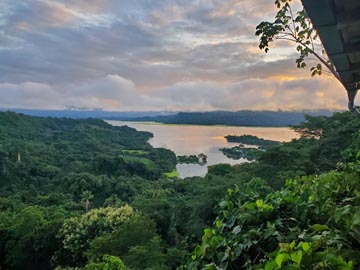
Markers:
point(194, 140)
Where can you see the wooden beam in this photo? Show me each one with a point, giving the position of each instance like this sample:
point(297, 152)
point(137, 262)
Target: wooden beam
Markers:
point(331, 18)
point(348, 49)
point(321, 12)
point(350, 86)
point(353, 85)
point(353, 67)
point(344, 20)
point(347, 76)
point(349, 18)
point(352, 48)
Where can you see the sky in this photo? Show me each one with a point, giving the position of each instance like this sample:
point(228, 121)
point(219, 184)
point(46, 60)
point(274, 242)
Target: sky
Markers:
point(151, 55)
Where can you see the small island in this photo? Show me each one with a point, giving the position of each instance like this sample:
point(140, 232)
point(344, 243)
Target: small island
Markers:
point(241, 151)
point(257, 146)
point(251, 140)
point(200, 159)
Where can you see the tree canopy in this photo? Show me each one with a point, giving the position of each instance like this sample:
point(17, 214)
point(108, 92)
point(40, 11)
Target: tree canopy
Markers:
point(102, 200)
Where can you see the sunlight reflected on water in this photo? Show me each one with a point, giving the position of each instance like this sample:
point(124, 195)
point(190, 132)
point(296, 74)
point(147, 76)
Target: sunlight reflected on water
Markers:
point(194, 140)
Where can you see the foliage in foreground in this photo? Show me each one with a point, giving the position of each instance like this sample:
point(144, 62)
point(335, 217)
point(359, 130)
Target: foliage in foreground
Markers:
point(311, 223)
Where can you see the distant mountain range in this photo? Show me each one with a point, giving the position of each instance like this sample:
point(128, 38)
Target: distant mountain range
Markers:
point(81, 114)
point(239, 118)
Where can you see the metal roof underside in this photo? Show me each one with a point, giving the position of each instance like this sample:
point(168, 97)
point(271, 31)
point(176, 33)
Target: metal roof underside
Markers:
point(338, 25)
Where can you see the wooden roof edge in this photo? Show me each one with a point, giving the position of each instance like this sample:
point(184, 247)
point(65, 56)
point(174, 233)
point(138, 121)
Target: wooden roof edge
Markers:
point(353, 68)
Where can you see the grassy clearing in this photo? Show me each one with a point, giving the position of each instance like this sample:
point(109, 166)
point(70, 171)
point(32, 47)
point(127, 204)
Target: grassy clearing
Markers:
point(135, 152)
point(172, 174)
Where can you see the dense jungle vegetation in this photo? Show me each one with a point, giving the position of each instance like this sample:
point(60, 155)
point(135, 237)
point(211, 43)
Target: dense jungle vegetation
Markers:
point(82, 194)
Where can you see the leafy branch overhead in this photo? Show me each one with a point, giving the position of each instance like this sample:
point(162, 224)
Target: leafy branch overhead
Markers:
point(295, 27)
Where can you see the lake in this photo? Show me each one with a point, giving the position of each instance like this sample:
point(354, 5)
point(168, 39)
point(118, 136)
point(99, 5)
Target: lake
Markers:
point(194, 140)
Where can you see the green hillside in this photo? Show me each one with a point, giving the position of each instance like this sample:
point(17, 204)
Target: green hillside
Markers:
point(82, 194)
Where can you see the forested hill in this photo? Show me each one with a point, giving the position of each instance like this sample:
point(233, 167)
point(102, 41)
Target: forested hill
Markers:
point(34, 150)
point(84, 114)
point(84, 195)
point(239, 118)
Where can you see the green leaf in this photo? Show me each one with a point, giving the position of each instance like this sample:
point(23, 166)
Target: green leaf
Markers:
point(216, 241)
point(224, 257)
point(249, 206)
point(270, 265)
point(236, 230)
point(356, 219)
point(259, 203)
point(197, 253)
point(281, 258)
point(208, 233)
point(218, 223)
point(297, 257)
point(319, 227)
point(305, 246)
point(292, 244)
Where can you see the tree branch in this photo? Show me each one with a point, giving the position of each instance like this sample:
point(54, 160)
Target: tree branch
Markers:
point(322, 60)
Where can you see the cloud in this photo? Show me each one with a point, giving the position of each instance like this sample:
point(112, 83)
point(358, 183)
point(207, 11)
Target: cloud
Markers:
point(114, 92)
point(28, 94)
point(111, 91)
point(257, 94)
point(128, 55)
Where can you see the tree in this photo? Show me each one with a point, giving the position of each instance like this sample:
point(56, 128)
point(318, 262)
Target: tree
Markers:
point(77, 232)
point(297, 28)
point(107, 262)
point(149, 256)
point(113, 201)
point(86, 197)
point(28, 236)
point(138, 230)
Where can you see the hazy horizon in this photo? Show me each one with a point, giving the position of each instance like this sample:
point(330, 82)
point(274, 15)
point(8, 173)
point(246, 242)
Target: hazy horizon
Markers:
point(162, 111)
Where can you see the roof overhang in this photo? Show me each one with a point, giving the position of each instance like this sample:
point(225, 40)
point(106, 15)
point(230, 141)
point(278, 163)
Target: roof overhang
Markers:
point(338, 25)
